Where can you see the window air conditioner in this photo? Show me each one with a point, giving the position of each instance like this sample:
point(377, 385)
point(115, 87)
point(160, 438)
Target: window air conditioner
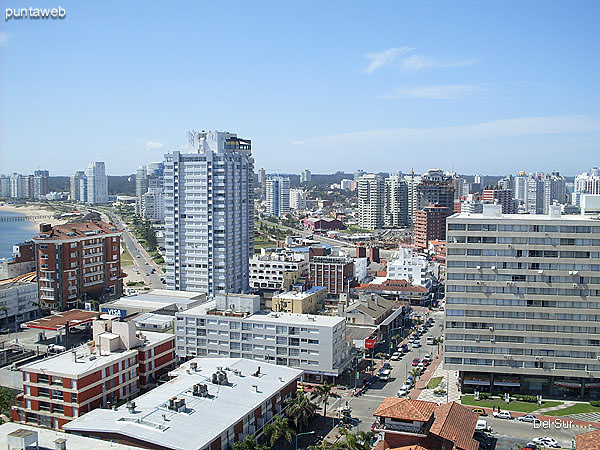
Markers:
point(491, 328)
point(478, 267)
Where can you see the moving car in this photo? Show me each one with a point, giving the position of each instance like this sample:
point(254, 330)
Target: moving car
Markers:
point(527, 418)
point(416, 344)
point(479, 411)
point(384, 375)
point(430, 340)
point(481, 425)
point(503, 415)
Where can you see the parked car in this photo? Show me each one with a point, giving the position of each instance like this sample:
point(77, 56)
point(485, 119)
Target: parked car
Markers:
point(430, 340)
point(530, 446)
point(402, 392)
point(54, 348)
point(503, 415)
point(527, 418)
point(481, 425)
point(4, 330)
point(479, 411)
point(384, 375)
point(415, 362)
point(426, 363)
point(427, 357)
point(386, 365)
point(416, 344)
point(395, 356)
point(546, 442)
point(147, 263)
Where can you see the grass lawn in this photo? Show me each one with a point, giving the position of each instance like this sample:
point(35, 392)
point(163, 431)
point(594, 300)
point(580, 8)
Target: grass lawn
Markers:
point(575, 409)
point(126, 259)
point(434, 382)
point(525, 407)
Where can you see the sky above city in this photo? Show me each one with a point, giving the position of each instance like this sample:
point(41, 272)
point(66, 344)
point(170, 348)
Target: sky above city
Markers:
point(474, 87)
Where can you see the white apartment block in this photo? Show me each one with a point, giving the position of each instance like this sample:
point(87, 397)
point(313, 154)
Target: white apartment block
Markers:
point(268, 271)
point(412, 182)
point(18, 303)
point(232, 326)
point(408, 266)
point(305, 176)
point(153, 204)
point(371, 201)
point(97, 184)
point(396, 202)
point(523, 302)
point(297, 199)
point(278, 196)
point(209, 214)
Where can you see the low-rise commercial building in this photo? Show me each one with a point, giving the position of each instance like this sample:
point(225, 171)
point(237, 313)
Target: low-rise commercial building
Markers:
point(333, 272)
point(300, 302)
point(210, 404)
point(114, 366)
point(233, 326)
point(21, 262)
point(157, 300)
point(277, 269)
point(322, 224)
point(18, 303)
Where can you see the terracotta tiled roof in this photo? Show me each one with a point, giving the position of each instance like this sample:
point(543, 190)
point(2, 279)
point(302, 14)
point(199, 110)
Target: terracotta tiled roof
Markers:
point(405, 409)
point(77, 230)
point(410, 447)
point(456, 423)
point(588, 441)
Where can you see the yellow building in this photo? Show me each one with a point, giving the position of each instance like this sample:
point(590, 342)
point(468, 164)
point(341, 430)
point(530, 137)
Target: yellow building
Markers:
point(308, 302)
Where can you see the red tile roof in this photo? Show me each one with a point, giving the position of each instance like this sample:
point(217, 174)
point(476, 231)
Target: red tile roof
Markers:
point(456, 423)
point(76, 230)
point(588, 441)
point(405, 409)
point(57, 321)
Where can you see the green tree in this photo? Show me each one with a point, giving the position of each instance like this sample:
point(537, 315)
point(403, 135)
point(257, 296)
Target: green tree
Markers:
point(324, 445)
point(360, 440)
point(300, 410)
point(415, 373)
point(279, 429)
point(249, 444)
point(322, 394)
point(6, 399)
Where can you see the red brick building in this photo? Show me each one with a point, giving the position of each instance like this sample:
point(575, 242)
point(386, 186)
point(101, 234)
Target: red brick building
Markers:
point(116, 365)
point(502, 197)
point(322, 224)
point(79, 261)
point(333, 272)
point(430, 224)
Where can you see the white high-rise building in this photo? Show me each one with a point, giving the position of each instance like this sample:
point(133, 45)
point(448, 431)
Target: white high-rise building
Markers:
point(4, 186)
point(209, 214)
point(396, 202)
point(412, 182)
point(79, 187)
point(408, 266)
point(153, 204)
point(555, 190)
point(522, 302)
point(535, 195)
point(521, 182)
point(19, 186)
point(97, 184)
point(297, 199)
point(141, 187)
point(586, 183)
point(305, 176)
point(371, 201)
point(278, 195)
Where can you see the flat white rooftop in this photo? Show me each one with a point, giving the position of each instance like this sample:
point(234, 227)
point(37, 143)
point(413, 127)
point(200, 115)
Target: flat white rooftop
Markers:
point(47, 437)
point(528, 217)
point(275, 317)
point(204, 418)
point(65, 365)
point(300, 294)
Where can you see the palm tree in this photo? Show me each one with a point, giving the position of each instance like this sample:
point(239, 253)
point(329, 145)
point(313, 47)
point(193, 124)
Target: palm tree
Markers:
point(249, 444)
point(322, 393)
point(415, 373)
point(279, 429)
point(360, 440)
point(300, 410)
point(324, 445)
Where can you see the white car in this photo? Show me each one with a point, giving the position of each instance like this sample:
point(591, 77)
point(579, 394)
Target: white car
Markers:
point(416, 344)
point(527, 418)
point(546, 442)
point(395, 356)
point(502, 415)
point(402, 392)
point(427, 357)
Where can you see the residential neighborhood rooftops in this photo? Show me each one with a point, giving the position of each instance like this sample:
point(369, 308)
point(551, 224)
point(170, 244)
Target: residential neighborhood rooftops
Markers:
point(75, 231)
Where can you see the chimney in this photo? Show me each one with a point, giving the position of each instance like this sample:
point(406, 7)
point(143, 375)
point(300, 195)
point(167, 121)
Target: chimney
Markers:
point(74, 354)
point(131, 407)
point(60, 444)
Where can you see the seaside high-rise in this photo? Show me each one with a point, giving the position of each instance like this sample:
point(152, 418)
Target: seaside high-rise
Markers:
point(523, 302)
point(209, 214)
point(97, 184)
point(278, 196)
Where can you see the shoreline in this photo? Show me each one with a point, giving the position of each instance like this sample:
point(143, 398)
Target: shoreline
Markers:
point(32, 210)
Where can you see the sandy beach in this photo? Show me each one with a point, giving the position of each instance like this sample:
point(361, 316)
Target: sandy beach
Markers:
point(32, 210)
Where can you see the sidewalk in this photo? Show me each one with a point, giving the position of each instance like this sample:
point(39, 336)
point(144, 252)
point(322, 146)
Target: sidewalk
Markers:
point(450, 379)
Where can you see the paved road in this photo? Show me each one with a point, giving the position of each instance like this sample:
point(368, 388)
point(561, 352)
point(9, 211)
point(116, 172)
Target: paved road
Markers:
point(364, 405)
point(325, 240)
point(141, 259)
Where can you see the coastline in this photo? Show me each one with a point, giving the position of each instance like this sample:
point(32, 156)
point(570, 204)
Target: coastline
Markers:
point(32, 210)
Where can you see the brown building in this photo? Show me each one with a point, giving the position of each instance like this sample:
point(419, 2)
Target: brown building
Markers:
point(79, 261)
point(333, 272)
point(430, 224)
point(417, 424)
point(502, 197)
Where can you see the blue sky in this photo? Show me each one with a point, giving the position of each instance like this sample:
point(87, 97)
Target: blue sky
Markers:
point(478, 87)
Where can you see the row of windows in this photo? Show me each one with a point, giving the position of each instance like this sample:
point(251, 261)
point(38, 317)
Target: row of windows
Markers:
point(526, 364)
point(521, 265)
point(520, 351)
point(525, 315)
point(577, 292)
point(460, 239)
point(523, 327)
point(522, 339)
point(512, 253)
point(528, 278)
point(523, 228)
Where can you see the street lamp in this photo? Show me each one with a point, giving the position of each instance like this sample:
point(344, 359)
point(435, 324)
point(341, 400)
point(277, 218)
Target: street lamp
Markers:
point(301, 434)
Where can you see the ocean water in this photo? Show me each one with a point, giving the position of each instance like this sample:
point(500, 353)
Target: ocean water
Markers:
point(12, 233)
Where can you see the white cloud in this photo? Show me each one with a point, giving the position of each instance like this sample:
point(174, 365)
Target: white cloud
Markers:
point(384, 58)
point(153, 145)
point(436, 92)
point(521, 126)
point(415, 62)
point(298, 143)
